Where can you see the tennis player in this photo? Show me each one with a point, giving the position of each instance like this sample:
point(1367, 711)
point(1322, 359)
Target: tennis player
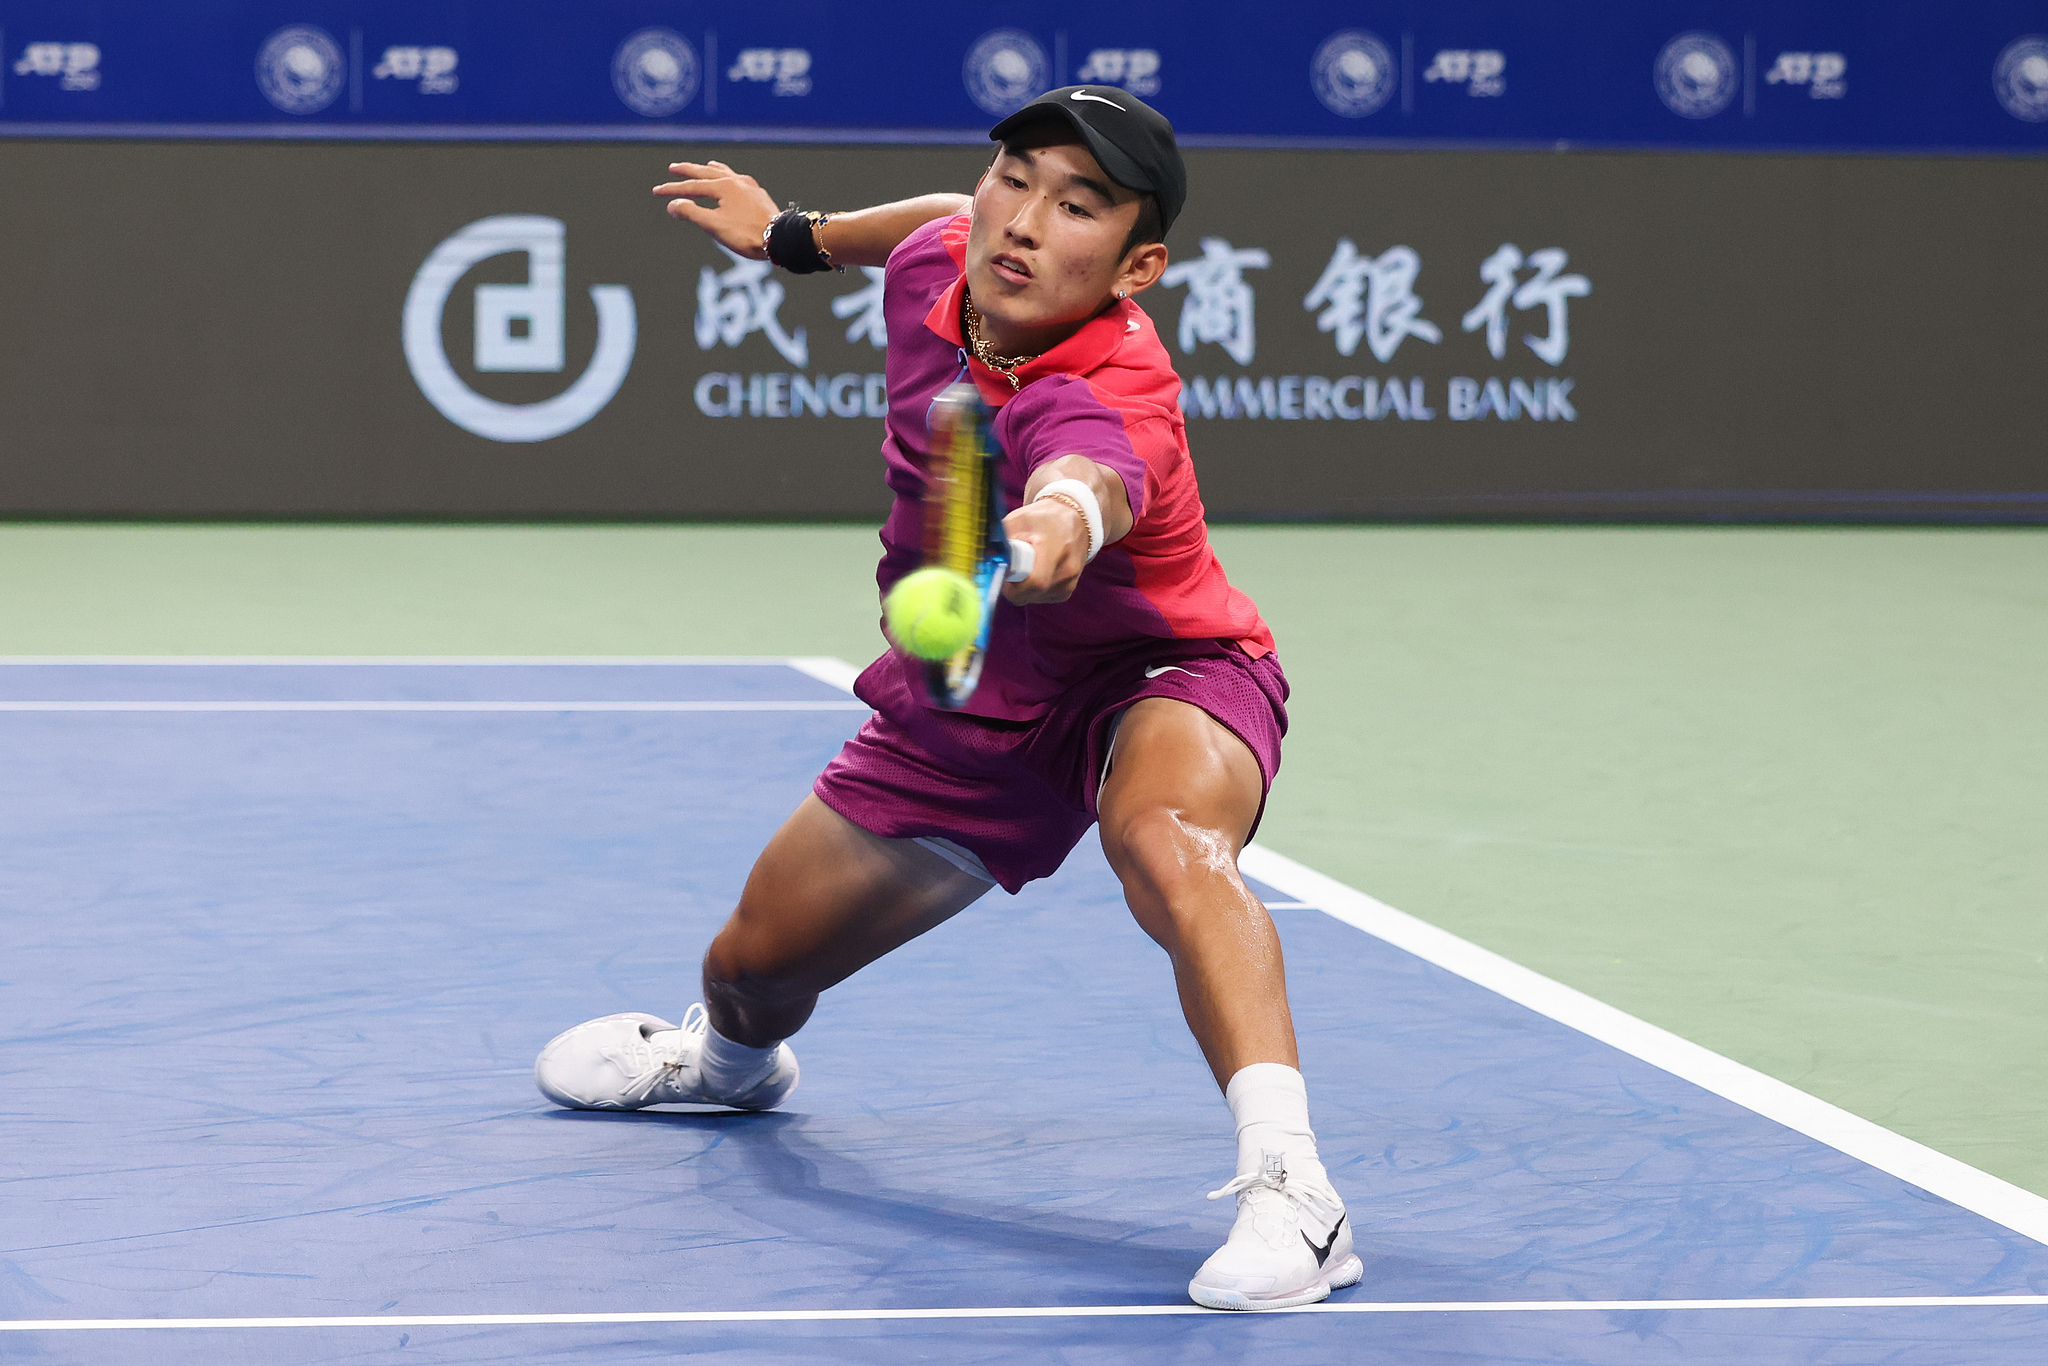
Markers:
point(1126, 682)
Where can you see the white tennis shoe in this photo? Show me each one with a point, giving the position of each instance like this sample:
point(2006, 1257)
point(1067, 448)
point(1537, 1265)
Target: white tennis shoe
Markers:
point(1291, 1244)
point(631, 1061)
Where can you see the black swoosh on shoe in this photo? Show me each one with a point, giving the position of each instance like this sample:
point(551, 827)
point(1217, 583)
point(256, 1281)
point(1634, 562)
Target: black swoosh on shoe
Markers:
point(1323, 1252)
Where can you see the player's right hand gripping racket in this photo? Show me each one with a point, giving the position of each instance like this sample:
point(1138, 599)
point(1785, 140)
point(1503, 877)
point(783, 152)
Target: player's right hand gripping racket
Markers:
point(963, 528)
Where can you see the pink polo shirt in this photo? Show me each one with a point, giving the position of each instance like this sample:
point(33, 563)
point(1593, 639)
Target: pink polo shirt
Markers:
point(1108, 392)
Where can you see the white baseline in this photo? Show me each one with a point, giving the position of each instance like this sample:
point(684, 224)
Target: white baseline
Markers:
point(1083, 1311)
point(742, 704)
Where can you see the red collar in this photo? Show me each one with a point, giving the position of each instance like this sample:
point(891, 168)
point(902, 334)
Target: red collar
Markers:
point(1084, 352)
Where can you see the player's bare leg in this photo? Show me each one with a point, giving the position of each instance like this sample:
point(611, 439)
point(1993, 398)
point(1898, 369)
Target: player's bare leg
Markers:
point(1179, 803)
point(825, 899)
point(1176, 810)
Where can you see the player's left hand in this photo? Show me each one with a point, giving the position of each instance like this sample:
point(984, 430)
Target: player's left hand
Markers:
point(738, 209)
point(1059, 541)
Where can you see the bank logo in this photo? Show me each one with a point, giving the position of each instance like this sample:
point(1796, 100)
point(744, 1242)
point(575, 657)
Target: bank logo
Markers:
point(75, 65)
point(432, 67)
point(300, 69)
point(1479, 70)
point(1820, 72)
point(1004, 71)
point(2020, 78)
point(655, 72)
point(1696, 75)
point(518, 329)
point(1136, 69)
point(1353, 73)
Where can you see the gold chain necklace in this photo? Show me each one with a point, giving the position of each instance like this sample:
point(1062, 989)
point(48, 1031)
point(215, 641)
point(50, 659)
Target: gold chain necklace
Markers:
point(985, 351)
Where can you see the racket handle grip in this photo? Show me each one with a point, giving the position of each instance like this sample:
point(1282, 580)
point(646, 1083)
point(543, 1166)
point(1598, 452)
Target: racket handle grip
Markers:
point(1023, 557)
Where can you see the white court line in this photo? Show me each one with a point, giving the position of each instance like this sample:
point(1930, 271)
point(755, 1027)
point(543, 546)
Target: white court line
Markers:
point(835, 673)
point(1084, 1311)
point(434, 661)
point(826, 669)
point(2022, 1211)
point(825, 704)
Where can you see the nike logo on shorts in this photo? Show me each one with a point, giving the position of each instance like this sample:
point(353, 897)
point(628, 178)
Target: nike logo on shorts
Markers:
point(1323, 1252)
point(1159, 669)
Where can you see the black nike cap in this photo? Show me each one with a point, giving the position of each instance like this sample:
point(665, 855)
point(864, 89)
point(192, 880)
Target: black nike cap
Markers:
point(1131, 139)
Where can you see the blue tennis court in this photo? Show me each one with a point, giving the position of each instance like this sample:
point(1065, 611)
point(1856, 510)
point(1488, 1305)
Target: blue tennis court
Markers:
point(282, 940)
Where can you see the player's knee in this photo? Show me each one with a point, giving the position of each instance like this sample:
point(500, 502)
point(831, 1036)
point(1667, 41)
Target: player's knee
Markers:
point(1163, 859)
point(739, 967)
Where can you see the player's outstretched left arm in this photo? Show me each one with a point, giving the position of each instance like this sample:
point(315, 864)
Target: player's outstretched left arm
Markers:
point(1058, 530)
point(738, 211)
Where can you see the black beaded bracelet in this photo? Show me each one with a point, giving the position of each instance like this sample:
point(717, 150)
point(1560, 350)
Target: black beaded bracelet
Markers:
point(792, 242)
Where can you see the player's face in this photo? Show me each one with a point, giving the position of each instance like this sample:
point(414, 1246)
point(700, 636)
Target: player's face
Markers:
point(1046, 251)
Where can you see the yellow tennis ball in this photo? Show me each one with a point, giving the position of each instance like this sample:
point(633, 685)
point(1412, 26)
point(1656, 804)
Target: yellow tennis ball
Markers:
point(932, 613)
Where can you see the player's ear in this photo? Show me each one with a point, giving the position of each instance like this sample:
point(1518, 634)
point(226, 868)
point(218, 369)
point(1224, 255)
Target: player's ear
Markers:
point(1142, 268)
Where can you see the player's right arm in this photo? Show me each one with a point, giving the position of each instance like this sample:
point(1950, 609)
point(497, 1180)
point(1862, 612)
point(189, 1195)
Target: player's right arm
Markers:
point(738, 212)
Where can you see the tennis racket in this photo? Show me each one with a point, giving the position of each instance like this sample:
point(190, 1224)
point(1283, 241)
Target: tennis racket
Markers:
point(963, 529)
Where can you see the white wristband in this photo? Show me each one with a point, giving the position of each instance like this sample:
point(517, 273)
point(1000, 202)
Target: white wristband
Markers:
point(1091, 508)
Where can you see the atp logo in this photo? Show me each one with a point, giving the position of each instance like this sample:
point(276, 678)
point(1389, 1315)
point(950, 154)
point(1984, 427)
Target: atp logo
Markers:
point(76, 65)
point(518, 329)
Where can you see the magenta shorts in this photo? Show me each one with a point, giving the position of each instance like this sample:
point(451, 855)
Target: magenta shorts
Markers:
point(1020, 794)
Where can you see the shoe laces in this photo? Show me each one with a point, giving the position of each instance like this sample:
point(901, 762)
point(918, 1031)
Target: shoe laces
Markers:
point(1271, 1175)
point(658, 1065)
point(1274, 1201)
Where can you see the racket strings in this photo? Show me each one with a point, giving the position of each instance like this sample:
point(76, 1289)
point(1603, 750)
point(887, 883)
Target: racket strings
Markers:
point(961, 500)
point(962, 526)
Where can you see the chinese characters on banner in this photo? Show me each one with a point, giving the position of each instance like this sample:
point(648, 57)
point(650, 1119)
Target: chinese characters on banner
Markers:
point(1373, 299)
point(1219, 302)
point(1358, 297)
point(734, 304)
point(1386, 287)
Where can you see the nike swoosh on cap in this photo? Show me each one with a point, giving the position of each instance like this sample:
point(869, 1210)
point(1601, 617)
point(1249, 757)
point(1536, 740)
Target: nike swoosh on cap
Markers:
point(1084, 95)
point(1163, 668)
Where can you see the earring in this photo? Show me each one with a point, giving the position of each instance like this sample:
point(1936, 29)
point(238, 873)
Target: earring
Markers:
point(1119, 294)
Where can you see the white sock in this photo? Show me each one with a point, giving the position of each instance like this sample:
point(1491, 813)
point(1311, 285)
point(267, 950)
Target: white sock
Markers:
point(733, 1069)
point(1270, 1103)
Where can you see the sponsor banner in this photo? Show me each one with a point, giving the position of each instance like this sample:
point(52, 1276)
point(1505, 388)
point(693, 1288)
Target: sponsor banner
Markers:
point(453, 329)
point(1831, 74)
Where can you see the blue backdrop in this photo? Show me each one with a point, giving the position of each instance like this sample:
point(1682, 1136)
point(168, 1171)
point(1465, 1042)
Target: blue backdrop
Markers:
point(1894, 76)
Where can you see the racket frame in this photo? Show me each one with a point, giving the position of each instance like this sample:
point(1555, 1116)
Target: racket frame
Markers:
point(964, 510)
